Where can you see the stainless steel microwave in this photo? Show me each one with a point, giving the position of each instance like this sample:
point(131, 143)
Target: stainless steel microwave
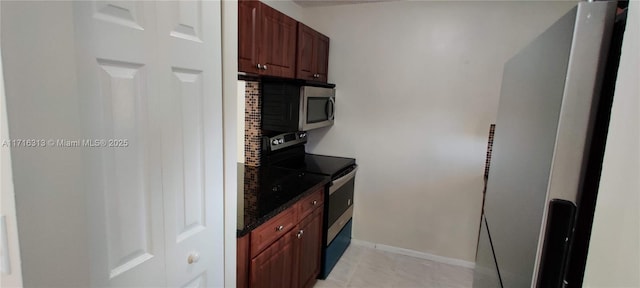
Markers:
point(288, 107)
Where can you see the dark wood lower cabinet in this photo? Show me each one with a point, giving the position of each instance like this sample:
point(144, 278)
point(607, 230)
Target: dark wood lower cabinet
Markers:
point(293, 260)
point(310, 247)
point(242, 262)
point(274, 267)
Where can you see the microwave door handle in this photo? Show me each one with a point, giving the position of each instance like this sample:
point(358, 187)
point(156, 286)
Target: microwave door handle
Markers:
point(332, 101)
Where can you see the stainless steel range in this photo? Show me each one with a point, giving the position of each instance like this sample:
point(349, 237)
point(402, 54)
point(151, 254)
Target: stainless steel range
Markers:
point(287, 151)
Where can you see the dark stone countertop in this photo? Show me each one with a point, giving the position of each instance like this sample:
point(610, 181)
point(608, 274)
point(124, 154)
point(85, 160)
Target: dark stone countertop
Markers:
point(265, 191)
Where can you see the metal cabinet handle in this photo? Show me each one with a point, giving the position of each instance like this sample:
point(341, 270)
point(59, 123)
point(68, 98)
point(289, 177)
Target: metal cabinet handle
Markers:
point(264, 67)
point(279, 228)
point(314, 203)
point(259, 66)
point(193, 258)
point(300, 233)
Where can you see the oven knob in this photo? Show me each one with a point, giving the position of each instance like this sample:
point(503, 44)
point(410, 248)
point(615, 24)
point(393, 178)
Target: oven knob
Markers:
point(280, 141)
point(274, 141)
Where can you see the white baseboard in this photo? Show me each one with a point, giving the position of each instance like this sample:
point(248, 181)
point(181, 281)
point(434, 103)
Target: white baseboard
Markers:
point(416, 254)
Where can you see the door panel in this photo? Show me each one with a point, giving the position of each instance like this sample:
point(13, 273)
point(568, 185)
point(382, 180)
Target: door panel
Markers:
point(187, 20)
point(116, 72)
point(126, 189)
point(278, 44)
point(190, 212)
point(150, 73)
point(322, 57)
point(123, 13)
point(248, 35)
point(305, 52)
point(199, 282)
point(274, 267)
point(191, 68)
point(310, 247)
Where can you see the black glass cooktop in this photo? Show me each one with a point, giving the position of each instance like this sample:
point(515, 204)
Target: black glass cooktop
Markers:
point(320, 164)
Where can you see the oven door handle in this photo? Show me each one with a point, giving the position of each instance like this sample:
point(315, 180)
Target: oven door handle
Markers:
point(336, 184)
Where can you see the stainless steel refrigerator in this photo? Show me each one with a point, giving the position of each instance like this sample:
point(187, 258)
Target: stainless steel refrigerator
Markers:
point(542, 151)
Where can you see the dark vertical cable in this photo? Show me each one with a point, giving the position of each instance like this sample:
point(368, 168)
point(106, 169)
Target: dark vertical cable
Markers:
point(493, 252)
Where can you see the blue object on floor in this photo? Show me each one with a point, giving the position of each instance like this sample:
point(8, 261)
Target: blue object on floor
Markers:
point(335, 249)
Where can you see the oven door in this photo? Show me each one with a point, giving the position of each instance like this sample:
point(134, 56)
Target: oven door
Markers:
point(317, 107)
point(340, 208)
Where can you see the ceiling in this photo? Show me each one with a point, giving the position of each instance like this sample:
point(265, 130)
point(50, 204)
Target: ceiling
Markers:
point(318, 3)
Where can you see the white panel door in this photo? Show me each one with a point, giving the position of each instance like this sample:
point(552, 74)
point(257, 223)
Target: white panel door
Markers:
point(150, 74)
point(191, 70)
point(117, 76)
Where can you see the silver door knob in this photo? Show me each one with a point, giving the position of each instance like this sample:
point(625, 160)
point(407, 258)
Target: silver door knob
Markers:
point(193, 258)
point(300, 233)
point(264, 67)
point(314, 203)
point(259, 66)
point(279, 228)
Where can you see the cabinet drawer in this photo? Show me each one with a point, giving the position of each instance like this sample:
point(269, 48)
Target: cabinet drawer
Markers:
point(309, 203)
point(271, 230)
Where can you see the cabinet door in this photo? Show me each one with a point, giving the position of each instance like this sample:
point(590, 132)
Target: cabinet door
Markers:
point(310, 248)
point(322, 57)
point(277, 49)
point(248, 35)
point(274, 267)
point(307, 39)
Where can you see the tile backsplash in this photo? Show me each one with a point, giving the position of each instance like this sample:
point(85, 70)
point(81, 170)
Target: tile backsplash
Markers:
point(252, 124)
point(492, 130)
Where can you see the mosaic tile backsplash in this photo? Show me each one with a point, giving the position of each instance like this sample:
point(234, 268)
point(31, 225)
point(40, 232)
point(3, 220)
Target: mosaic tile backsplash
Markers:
point(252, 124)
point(251, 189)
point(492, 130)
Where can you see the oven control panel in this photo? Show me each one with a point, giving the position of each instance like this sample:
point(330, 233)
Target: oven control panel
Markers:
point(284, 140)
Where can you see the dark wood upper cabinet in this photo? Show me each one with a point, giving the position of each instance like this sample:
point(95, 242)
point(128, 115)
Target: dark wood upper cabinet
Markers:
point(248, 36)
point(312, 55)
point(271, 43)
point(277, 50)
point(266, 40)
point(323, 58)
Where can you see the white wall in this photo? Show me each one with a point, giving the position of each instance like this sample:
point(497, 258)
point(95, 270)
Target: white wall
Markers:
point(417, 87)
point(614, 250)
point(42, 103)
point(230, 118)
point(289, 8)
point(11, 270)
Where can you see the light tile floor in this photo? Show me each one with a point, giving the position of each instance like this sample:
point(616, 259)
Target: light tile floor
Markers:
point(362, 266)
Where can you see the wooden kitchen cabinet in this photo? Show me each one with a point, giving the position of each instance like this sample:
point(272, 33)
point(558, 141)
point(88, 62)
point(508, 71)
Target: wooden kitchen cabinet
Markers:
point(266, 40)
point(310, 249)
point(248, 35)
point(291, 260)
point(312, 55)
point(274, 267)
